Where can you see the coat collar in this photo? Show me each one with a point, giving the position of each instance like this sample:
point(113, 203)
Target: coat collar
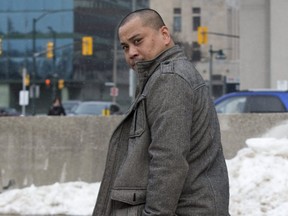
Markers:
point(146, 68)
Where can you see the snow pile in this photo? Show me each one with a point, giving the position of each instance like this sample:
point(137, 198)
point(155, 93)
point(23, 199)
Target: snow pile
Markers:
point(73, 198)
point(258, 176)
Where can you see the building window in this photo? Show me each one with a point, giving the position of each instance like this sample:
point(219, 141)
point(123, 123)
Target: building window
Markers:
point(196, 53)
point(196, 10)
point(177, 20)
point(177, 24)
point(196, 18)
point(196, 22)
point(177, 11)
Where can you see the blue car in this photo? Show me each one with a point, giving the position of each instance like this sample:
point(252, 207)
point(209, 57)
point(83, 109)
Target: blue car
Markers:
point(264, 101)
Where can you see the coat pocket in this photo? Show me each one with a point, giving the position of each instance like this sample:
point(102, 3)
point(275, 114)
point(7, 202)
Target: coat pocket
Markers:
point(128, 202)
point(139, 118)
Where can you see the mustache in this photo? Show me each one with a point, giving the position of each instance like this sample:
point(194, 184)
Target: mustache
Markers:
point(136, 60)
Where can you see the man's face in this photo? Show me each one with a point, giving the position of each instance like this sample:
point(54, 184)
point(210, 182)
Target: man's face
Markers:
point(142, 43)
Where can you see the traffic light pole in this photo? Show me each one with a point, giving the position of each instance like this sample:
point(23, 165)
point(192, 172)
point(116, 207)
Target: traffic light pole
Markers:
point(34, 54)
point(222, 34)
point(24, 73)
point(212, 52)
point(203, 39)
point(34, 66)
point(35, 20)
point(55, 74)
point(115, 50)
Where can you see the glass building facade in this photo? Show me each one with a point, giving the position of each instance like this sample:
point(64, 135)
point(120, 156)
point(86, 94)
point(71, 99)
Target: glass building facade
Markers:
point(27, 26)
point(53, 22)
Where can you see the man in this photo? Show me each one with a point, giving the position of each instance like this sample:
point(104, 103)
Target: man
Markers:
point(165, 158)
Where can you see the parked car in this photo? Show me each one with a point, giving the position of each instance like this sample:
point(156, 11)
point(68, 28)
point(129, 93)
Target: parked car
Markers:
point(95, 108)
point(262, 101)
point(7, 111)
point(70, 105)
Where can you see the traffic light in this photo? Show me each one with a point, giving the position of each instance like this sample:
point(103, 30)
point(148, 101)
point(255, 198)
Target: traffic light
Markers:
point(48, 83)
point(1, 45)
point(27, 80)
point(202, 34)
point(60, 84)
point(50, 50)
point(87, 46)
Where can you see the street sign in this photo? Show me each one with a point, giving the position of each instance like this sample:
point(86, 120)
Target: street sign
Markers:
point(109, 84)
point(24, 98)
point(114, 91)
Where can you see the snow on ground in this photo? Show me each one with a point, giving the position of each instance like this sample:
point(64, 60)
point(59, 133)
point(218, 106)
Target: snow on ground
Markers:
point(72, 198)
point(258, 185)
point(258, 175)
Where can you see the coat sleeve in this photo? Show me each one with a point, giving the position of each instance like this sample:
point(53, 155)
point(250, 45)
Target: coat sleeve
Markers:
point(169, 107)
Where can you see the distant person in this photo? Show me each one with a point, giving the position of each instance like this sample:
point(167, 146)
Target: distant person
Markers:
point(115, 110)
point(57, 108)
point(166, 157)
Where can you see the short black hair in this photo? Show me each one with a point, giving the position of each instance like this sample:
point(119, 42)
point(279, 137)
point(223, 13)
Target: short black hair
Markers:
point(148, 16)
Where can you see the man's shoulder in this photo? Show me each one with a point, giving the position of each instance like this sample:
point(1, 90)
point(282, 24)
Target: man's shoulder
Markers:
point(176, 65)
point(183, 68)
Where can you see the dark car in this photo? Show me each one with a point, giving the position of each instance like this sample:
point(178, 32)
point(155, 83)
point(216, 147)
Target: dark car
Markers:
point(96, 108)
point(7, 111)
point(262, 101)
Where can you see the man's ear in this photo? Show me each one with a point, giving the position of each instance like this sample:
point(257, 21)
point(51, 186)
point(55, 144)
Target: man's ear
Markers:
point(165, 34)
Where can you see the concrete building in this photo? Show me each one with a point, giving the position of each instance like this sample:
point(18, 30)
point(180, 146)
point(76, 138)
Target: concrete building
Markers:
point(263, 44)
point(221, 17)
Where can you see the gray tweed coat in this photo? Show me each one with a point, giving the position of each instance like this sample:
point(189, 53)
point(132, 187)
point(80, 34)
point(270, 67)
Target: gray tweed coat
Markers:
point(165, 158)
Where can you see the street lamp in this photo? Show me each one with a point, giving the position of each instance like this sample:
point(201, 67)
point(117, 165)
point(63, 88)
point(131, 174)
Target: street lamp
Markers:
point(55, 74)
point(220, 55)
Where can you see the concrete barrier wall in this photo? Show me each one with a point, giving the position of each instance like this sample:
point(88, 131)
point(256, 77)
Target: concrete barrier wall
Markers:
point(236, 129)
point(44, 150)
